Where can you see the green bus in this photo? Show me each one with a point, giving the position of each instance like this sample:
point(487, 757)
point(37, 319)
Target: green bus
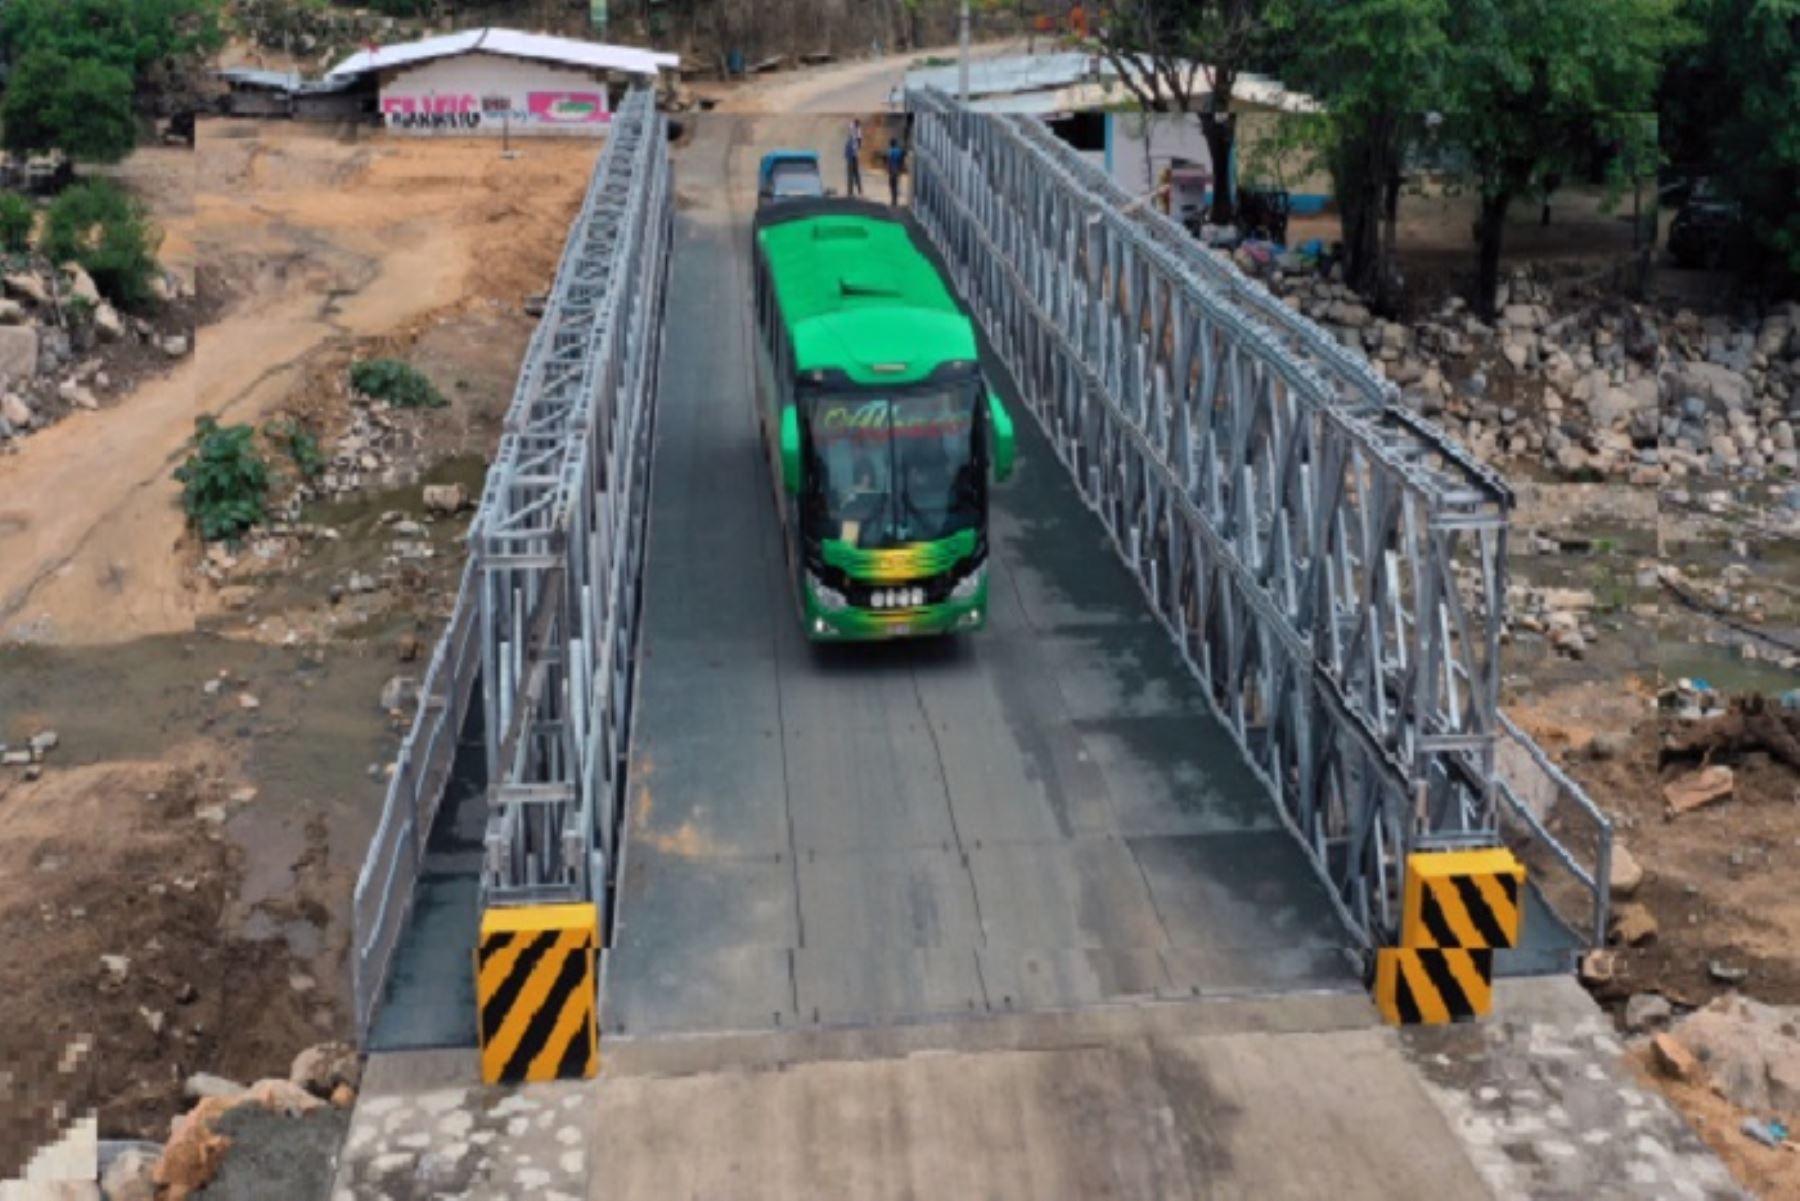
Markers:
point(879, 423)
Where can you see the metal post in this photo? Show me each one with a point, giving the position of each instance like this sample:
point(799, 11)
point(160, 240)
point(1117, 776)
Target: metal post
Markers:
point(962, 56)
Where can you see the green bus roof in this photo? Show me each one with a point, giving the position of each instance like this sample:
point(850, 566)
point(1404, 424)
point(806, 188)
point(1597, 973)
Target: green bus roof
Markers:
point(857, 294)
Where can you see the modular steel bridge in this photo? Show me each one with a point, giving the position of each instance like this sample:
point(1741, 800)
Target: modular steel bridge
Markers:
point(853, 836)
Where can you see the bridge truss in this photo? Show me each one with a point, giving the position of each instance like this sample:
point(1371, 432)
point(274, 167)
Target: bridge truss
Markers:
point(547, 614)
point(1330, 565)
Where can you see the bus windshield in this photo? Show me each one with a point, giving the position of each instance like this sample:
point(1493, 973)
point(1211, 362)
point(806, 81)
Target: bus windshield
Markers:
point(894, 470)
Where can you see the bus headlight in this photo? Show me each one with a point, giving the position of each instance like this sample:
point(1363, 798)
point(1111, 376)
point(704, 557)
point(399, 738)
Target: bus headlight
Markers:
point(825, 596)
point(969, 585)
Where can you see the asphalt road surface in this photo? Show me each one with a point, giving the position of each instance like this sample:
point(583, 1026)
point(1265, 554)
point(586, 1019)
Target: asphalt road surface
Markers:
point(1039, 815)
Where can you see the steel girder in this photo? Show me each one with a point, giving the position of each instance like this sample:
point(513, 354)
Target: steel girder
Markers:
point(558, 539)
point(1331, 566)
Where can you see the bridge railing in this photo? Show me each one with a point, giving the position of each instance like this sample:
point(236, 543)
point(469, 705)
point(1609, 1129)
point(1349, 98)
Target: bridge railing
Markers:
point(383, 898)
point(1331, 566)
point(1563, 836)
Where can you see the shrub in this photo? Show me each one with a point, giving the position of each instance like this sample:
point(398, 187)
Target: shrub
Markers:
point(17, 216)
point(121, 257)
point(302, 447)
point(224, 480)
point(395, 382)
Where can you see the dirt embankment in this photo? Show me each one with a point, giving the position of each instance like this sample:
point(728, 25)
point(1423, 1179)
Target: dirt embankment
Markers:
point(175, 874)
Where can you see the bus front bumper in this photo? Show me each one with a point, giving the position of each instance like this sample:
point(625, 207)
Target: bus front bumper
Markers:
point(863, 625)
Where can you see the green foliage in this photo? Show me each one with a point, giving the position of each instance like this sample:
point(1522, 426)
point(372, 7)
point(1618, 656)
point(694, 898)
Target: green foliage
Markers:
point(127, 35)
point(1286, 148)
point(301, 446)
point(224, 481)
point(121, 257)
point(403, 8)
point(79, 106)
point(1731, 106)
point(17, 217)
point(395, 382)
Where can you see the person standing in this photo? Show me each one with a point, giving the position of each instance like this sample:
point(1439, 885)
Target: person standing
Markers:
point(896, 163)
point(852, 171)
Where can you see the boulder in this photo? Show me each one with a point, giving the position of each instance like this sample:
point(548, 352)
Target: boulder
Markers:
point(400, 692)
point(29, 285)
point(322, 1069)
point(77, 395)
point(13, 313)
point(192, 1154)
point(445, 499)
point(1612, 406)
point(130, 1177)
point(1751, 1052)
point(1699, 788)
point(1646, 1010)
point(1627, 875)
point(202, 1085)
point(16, 412)
point(108, 324)
point(283, 1097)
point(175, 345)
point(1633, 924)
point(18, 353)
point(1724, 389)
point(81, 284)
point(1674, 1060)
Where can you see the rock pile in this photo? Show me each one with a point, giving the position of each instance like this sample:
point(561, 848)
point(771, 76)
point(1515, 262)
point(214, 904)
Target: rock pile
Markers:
point(57, 333)
point(1606, 389)
point(327, 1074)
point(1749, 1052)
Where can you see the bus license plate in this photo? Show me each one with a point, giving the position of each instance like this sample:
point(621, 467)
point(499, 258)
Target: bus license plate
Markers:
point(900, 629)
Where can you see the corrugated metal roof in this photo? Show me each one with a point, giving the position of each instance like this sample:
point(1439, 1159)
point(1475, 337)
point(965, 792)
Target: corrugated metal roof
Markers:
point(260, 78)
point(510, 42)
point(1008, 76)
point(1032, 83)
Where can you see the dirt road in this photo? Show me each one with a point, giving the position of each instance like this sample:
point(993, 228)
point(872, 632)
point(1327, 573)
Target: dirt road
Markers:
point(317, 242)
point(863, 86)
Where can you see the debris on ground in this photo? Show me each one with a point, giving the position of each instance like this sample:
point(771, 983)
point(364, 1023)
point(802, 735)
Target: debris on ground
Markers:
point(1703, 787)
point(1733, 1067)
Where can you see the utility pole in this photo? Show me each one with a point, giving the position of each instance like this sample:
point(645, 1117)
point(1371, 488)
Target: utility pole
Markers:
point(962, 58)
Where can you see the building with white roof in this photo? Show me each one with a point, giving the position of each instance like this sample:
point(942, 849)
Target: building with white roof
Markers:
point(490, 81)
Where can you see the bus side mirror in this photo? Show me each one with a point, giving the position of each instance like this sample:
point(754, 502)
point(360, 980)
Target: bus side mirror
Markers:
point(1002, 425)
point(790, 449)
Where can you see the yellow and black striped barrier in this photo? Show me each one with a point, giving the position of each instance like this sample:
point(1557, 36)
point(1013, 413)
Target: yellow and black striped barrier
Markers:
point(1462, 899)
point(535, 993)
point(1433, 985)
point(1457, 909)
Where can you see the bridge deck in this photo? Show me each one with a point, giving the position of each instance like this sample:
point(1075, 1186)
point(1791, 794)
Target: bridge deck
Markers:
point(1039, 815)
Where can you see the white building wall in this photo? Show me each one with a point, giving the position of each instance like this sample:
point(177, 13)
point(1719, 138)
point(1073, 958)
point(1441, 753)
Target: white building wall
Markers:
point(487, 94)
point(1143, 145)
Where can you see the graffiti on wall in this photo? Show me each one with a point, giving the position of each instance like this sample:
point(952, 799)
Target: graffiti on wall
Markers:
point(567, 108)
point(465, 111)
point(431, 112)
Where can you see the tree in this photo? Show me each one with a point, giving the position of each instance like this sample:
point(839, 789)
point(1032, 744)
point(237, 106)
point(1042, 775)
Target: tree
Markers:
point(1166, 50)
point(82, 108)
point(1532, 80)
point(1730, 107)
point(1376, 65)
point(132, 35)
